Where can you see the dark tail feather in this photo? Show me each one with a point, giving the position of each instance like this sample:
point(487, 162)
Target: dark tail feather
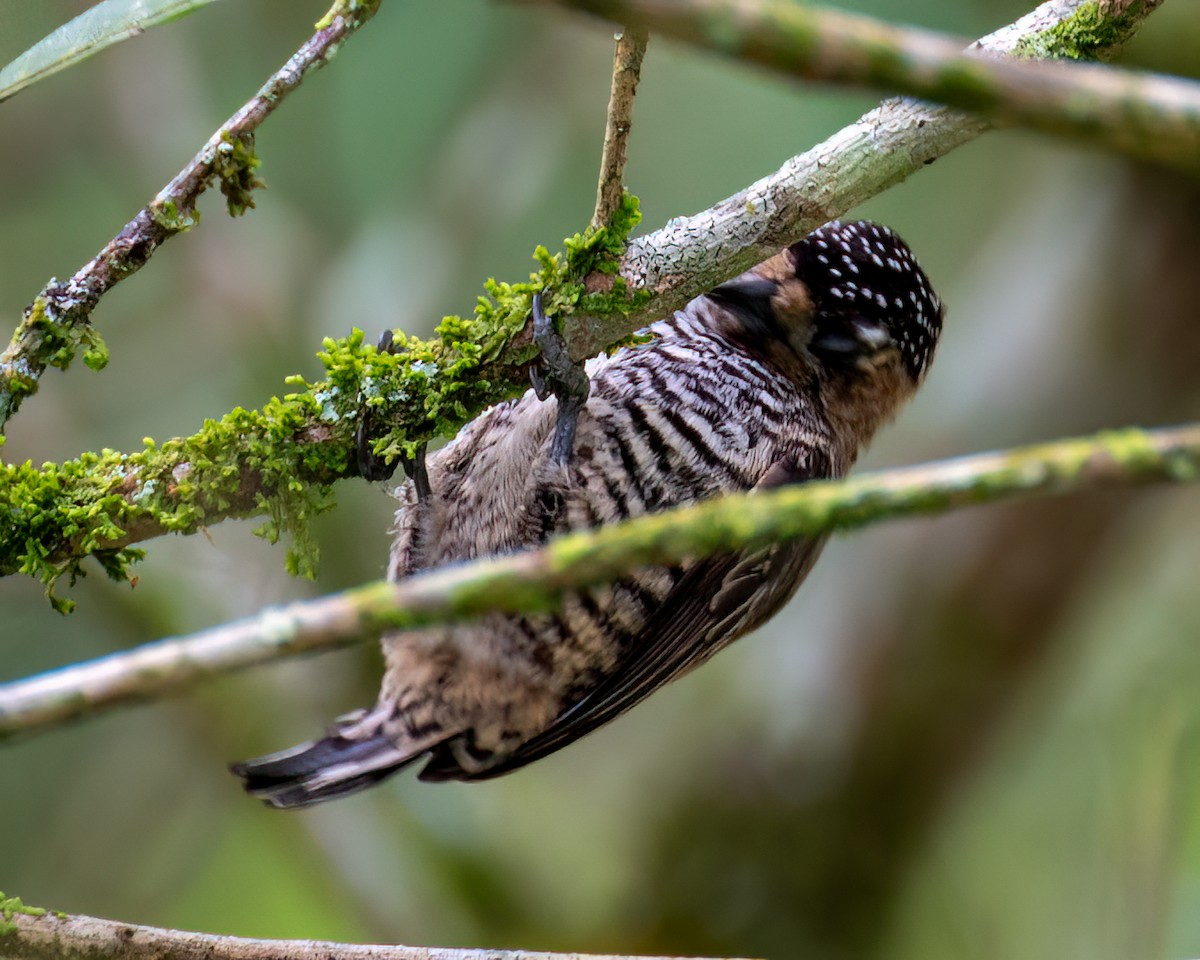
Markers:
point(325, 769)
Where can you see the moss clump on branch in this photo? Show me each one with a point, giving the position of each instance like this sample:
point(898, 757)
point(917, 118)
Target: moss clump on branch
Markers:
point(166, 214)
point(1092, 32)
point(281, 462)
point(474, 362)
point(56, 347)
point(265, 462)
point(10, 906)
point(234, 165)
point(52, 343)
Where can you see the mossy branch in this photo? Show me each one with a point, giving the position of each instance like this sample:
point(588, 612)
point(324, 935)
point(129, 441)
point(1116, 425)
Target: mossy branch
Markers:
point(58, 322)
point(280, 462)
point(1147, 116)
point(536, 580)
point(29, 933)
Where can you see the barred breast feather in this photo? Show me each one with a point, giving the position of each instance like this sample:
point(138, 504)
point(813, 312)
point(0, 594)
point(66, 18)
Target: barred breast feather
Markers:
point(682, 418)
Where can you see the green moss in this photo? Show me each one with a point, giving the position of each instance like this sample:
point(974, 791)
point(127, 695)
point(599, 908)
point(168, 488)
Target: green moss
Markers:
point(95, 354)
point(503, 593)
point(361, 10)
point(9, 907)
point(458, 372)
point(967, 84)
point(234, 165)
point(1131, 448)
point(167, 215)
point(42, 340)
point(53, 517)
point(55, 343)
point(280, 462)
point(1090, 33)
point(888, 65)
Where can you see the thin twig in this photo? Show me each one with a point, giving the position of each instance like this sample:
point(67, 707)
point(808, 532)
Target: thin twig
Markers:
point(627, 69)
point(1147, 116)
point(58, 320)
point(538, 578)
point(51, 936)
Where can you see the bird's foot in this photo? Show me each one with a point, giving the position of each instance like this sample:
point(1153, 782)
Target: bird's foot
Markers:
point(556, 374)
point(414, 469)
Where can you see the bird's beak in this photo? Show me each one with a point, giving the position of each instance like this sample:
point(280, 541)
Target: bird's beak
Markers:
point(747, 297)
point(744, 292)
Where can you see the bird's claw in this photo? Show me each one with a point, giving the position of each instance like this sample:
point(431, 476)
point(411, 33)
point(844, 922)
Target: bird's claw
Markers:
point(557, 374)
point(414, 469)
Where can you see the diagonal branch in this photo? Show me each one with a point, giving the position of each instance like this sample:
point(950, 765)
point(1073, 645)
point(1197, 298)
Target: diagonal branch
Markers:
point(35, 934)
point(537, 579)
point(58, 320)
point(1147, 116)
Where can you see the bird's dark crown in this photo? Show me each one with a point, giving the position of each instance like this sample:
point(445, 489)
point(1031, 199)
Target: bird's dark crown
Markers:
point(844, 295)
point(867, 291)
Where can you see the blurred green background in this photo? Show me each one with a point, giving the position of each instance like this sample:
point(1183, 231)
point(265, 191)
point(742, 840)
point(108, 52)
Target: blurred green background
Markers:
point(973, 736)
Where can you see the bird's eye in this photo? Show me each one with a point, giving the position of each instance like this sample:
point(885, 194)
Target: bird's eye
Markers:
point(840, 341)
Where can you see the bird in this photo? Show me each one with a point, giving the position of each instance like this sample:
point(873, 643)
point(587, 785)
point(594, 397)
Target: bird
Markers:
point(779, 376)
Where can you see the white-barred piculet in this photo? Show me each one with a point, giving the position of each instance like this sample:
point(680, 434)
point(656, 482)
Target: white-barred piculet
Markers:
point(779, 376)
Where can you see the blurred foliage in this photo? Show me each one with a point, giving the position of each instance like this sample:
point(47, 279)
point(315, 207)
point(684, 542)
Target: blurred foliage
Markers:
point(797, 797)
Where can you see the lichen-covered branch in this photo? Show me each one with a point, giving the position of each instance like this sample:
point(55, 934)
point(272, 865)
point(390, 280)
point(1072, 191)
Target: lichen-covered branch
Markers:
point(627, 69)
point(35, 934)
point(279, 461)
point(1147, 116)
point(535, 580)
point(885, 146)
point(57, 323)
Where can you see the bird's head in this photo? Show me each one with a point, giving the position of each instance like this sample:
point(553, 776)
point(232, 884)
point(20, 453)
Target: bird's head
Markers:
point(847, 304)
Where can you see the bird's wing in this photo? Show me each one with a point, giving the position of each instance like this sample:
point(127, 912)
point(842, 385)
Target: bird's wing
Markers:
point(717, 599)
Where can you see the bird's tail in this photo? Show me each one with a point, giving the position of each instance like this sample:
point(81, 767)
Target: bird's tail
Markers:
point(354, 755)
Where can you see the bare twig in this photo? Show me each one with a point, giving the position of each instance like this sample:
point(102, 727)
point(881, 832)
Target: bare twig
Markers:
point(1147, 116)
point(58, 320)
point(535, 579)
point(51, 936)
point(627, 68)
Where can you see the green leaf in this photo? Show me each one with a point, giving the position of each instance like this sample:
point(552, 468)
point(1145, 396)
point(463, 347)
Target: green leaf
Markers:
point(108, 22)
